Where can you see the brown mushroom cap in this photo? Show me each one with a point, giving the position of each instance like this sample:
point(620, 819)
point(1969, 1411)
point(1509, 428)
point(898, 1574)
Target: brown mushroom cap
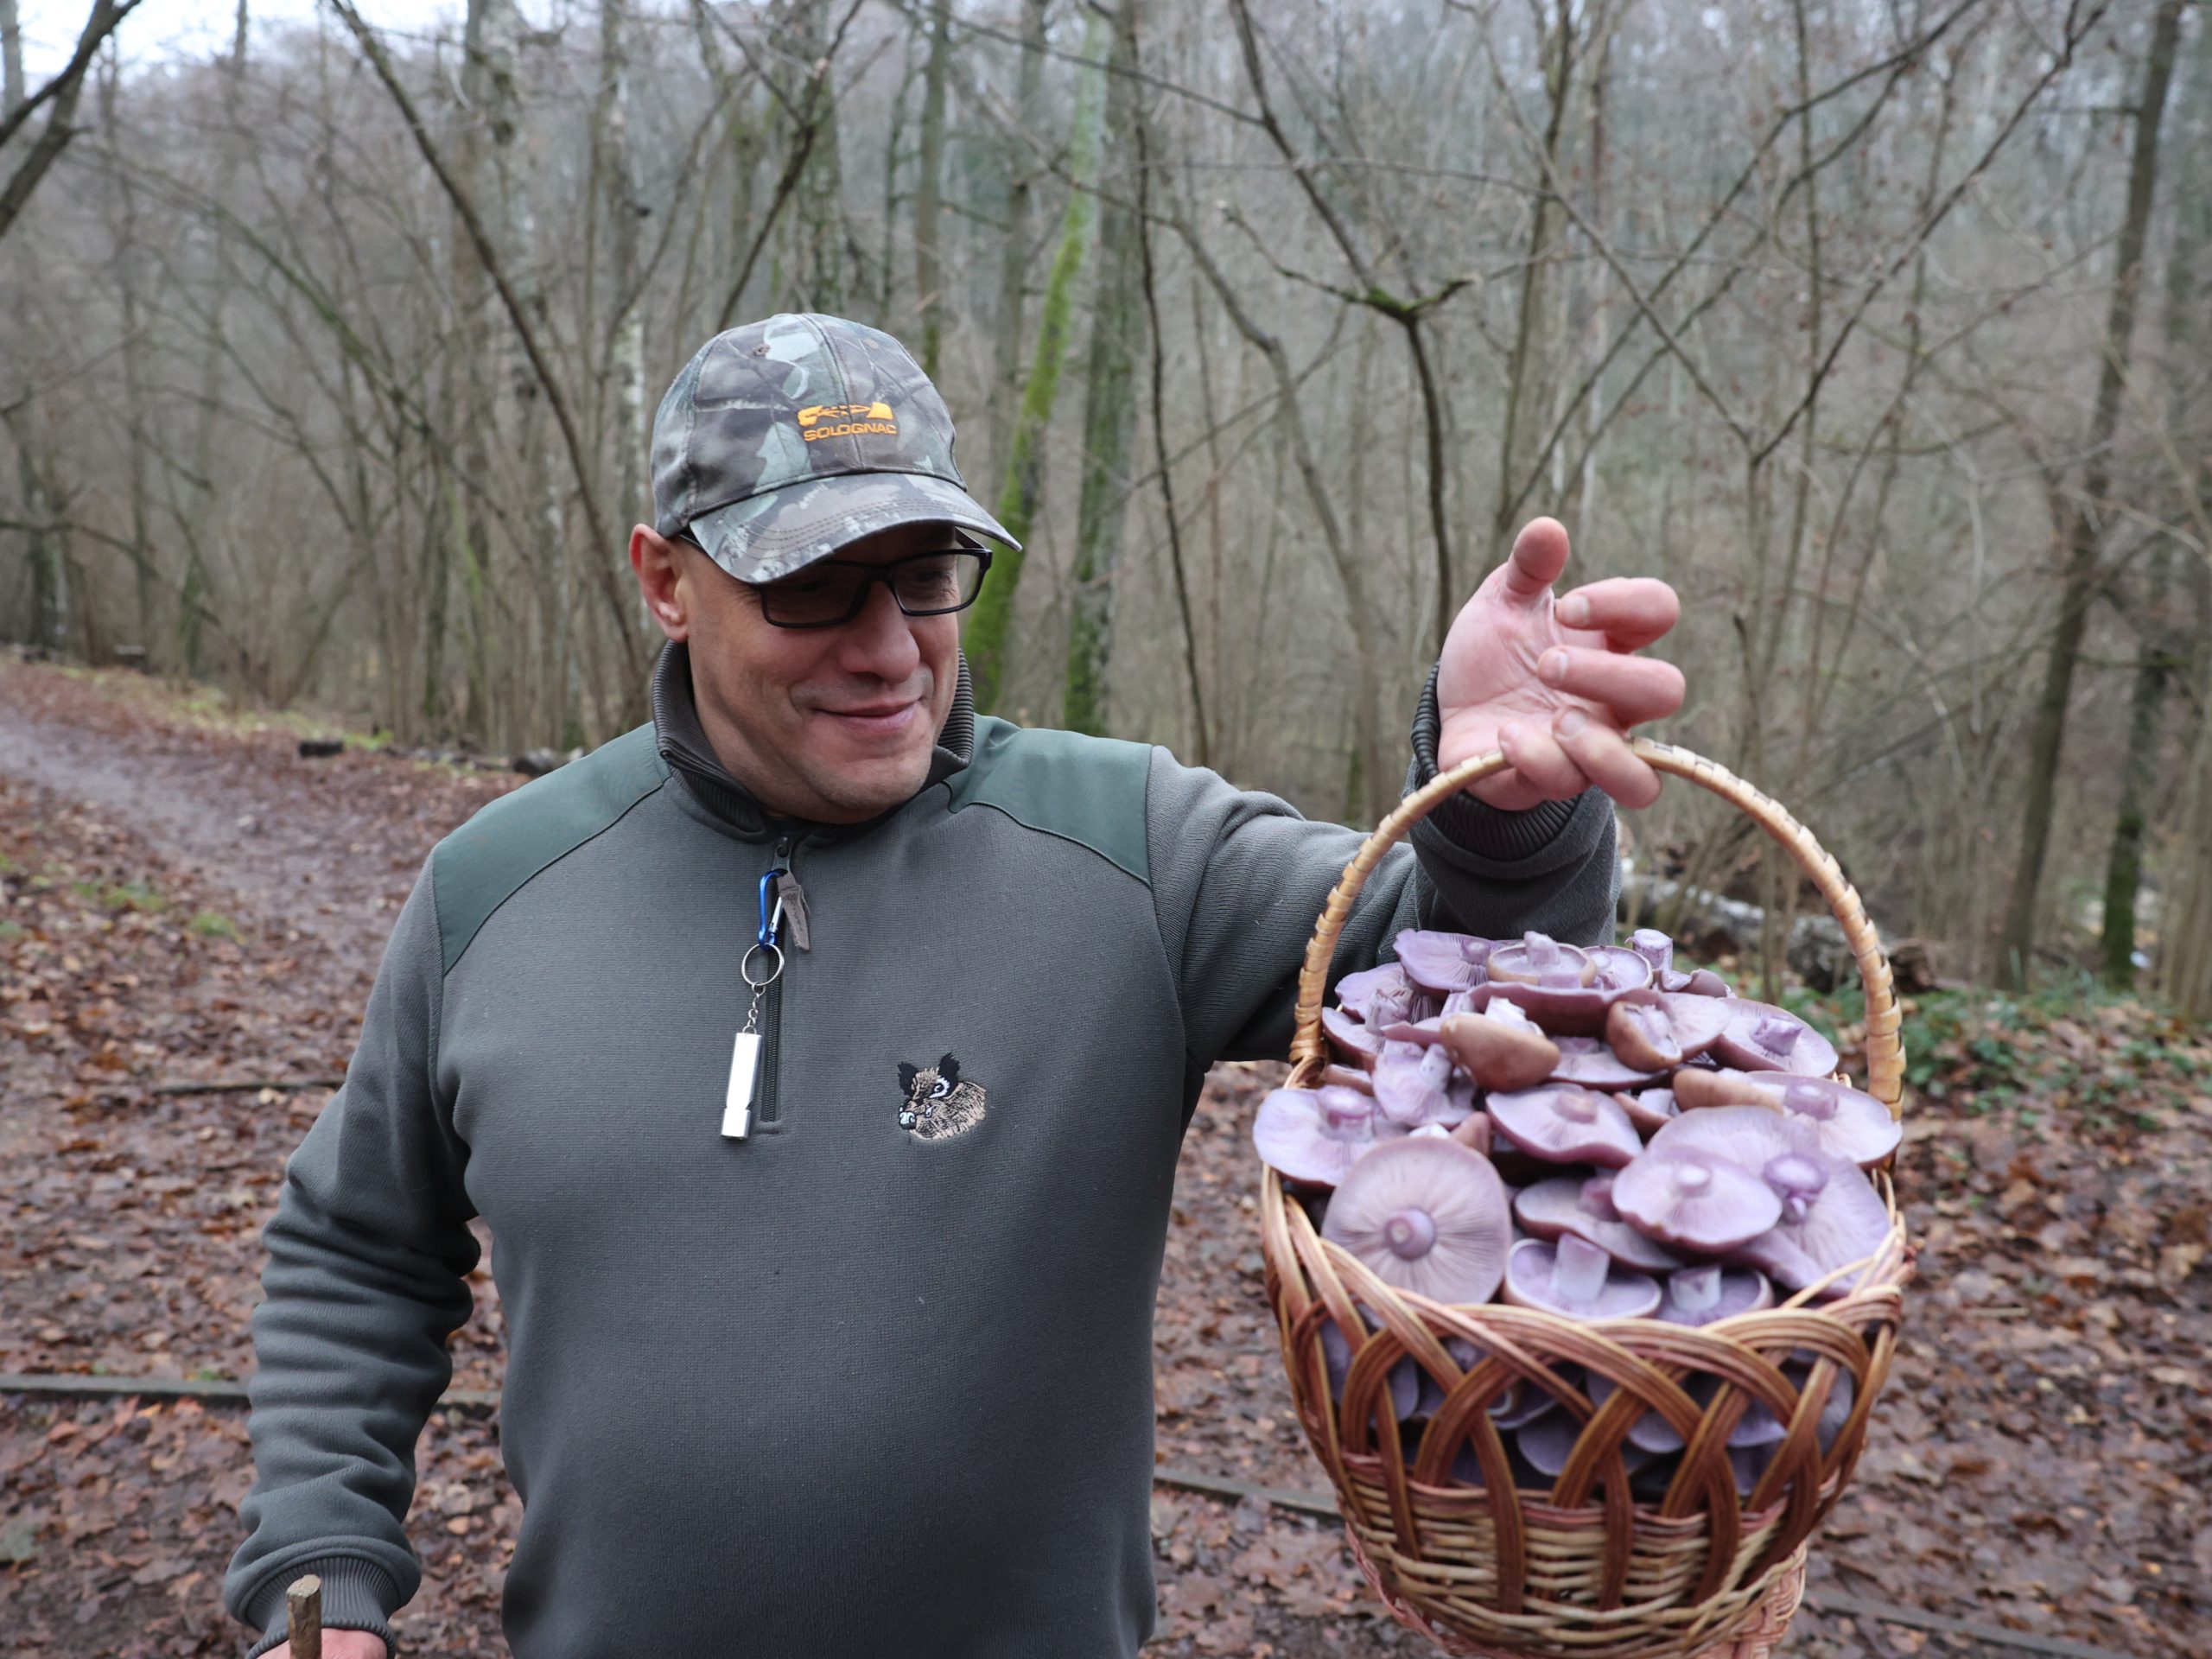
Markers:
point(1565, 1124)
point(1703, 982)
point(1427, 1215)
point(1498, 1053)
point(1576, 1280)
point(1584, 1206)
point(1697, 1090)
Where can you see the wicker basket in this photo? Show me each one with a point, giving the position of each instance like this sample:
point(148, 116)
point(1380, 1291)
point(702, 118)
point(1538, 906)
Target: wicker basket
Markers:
point(1584, 1571)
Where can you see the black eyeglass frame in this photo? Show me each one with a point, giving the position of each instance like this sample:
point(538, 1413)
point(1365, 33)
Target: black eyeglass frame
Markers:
point(871, 575)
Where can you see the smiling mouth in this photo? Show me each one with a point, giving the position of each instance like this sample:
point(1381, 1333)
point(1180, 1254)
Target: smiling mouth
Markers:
point(876, 717)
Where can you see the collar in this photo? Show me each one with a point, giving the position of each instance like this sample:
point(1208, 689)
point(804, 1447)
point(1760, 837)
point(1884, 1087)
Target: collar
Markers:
point(682, 743)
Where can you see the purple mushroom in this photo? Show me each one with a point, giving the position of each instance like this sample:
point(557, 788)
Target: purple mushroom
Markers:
point(1539, 959)
point(1708, 1295)
point(1404, 1380)
point(1849, 1123)
point(1443, 962)
point(1566, 1204)
point(1314, 1134)
point(1763, 1038)
point(1589, 1062)
point(1427, 1215)
point(1415, 1086)
point(1387, 981)
point(1698, 1184)
point(1359, 1043)
point(1549, 1442)
point(1832, 1217)
point(1575, 1279)
point(1619, 969)
point(1703, 982)
point(1650, 1109)
point(1656, 1031)
point(1658, 950)
point(1564, 1124)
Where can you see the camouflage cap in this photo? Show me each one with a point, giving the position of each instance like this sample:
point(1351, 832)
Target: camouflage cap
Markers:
point(784, 440)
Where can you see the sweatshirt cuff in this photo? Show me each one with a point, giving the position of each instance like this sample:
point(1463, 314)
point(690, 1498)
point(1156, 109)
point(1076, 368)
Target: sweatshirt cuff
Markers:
point(357, 1595)
point(1491, 833)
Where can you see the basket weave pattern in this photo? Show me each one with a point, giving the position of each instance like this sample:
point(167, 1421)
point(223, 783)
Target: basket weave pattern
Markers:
point(1587, 1570)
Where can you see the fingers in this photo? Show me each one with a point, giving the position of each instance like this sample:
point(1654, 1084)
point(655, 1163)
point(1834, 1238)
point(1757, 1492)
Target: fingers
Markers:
point(1630, 611)
point(1576, 752)
point(1632, 689)
point(1538, 556)
point(1602, 756)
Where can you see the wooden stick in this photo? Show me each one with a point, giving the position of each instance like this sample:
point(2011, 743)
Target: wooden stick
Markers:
point(303, 1612)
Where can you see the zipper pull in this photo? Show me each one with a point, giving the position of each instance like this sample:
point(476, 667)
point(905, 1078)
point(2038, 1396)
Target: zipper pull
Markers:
point(791, 898)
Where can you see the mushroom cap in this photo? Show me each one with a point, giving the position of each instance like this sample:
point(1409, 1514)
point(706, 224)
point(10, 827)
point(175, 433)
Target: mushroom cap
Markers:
point(1588, 1061)
point(1568, 1204)
point(1423, 1033)
point(1548, 1441)
point(1359, 1043)
point(1707, 1294)
point(1831, 1217)
point(1497, 1053)
point(1849, 1122)
point(1473, 1132)
point(1466, 1357)
point(1703, 982)
point(1702, 1191)
point(1650, 1109)
point(1415, 1086)
point(1640, 1034)
point(1427, 1215)
point(1651, 1434)
point(1443, 962)
point(1576, 1280)
point(1314, 1134)
point(1404, 1380)
point(1539, 959)
point(1347, 1077)
point(1763, 1038)
point(1565, 1124)
point(1386, 980)
point(1561, 1006)
point(1619, 969)
point(1697, 1090)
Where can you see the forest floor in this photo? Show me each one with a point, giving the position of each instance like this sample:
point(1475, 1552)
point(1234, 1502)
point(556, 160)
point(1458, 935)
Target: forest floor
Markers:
point(183, 898)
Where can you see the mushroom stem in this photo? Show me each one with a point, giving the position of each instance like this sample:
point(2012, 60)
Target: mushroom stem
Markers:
point(1581, 1270)
point(1410, 1233)
point(1695, 1289)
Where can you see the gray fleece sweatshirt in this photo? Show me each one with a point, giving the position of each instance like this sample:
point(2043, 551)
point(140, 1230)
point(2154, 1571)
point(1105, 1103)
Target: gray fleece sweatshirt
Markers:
point(877, 1378)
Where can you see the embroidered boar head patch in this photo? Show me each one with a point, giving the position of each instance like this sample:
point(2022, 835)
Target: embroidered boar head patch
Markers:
point(939, 1103)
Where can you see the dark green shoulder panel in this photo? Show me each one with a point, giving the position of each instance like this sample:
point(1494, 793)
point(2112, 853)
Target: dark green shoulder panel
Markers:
point(481, 865)
point(1087, 790)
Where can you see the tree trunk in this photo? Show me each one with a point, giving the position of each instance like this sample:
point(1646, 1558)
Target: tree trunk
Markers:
point(2083, 518)
point(1013, 252)
point(929, 272)
point(991, 624)
point(1110, 407)
point(2124, 864)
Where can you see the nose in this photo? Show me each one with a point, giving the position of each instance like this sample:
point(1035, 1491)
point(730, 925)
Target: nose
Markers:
point(880, 641)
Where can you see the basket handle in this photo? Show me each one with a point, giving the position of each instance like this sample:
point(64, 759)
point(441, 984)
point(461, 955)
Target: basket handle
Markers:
point(1885, 1048)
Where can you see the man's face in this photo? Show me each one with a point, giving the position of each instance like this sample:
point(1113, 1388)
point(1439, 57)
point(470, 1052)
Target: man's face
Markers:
point(834, 724)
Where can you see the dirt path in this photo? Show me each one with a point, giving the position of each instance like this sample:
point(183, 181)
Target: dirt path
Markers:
point(186, 898)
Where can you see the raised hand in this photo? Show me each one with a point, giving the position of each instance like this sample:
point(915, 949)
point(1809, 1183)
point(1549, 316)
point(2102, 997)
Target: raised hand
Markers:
point(1555, 683)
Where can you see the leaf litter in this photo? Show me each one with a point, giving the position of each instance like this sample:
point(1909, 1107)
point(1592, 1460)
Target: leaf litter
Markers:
point(183, 899)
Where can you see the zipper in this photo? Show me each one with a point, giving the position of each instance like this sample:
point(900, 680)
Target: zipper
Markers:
point(768, 1108)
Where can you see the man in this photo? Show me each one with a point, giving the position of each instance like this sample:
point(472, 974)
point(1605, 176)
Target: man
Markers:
point(818, 1056)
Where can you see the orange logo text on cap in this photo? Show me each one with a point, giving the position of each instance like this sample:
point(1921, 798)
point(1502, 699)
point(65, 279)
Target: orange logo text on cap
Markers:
point(820, 421)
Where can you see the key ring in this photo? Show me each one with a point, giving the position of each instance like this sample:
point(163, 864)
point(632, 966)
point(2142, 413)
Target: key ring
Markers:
point(745, 968)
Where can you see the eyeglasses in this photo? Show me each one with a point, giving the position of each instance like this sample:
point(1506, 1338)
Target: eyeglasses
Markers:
point(833, 591)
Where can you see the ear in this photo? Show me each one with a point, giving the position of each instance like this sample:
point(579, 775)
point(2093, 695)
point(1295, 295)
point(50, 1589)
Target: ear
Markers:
point(949, 1069)
point(658, 564)
point(907, 1075)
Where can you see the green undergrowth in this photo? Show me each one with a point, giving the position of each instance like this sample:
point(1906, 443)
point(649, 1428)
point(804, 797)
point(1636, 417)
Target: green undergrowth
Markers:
point(2071, 1053)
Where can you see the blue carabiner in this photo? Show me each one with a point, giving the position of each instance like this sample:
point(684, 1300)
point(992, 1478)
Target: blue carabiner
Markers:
point(771, 909)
